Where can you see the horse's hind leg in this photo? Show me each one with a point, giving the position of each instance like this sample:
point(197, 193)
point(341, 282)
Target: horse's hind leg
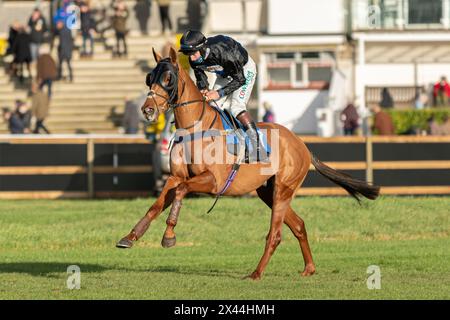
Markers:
point(297, 226)
point(281, 198)
point(164, 200)
point(204, 183)
point(294, 222)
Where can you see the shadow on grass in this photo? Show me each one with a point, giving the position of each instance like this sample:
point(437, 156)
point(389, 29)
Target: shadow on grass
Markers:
point(46, 269)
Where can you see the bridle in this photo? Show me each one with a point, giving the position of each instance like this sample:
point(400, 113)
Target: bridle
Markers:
point(165, 68)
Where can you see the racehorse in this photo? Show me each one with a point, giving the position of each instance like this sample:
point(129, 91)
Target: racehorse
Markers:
point(171, 87)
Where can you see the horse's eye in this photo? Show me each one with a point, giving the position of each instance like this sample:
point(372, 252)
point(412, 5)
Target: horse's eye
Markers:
point(165, 79)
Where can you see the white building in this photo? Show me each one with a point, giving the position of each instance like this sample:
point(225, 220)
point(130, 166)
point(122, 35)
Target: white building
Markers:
point(316, 56)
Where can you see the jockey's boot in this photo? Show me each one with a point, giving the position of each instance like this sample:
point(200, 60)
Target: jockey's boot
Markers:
point(258, 152)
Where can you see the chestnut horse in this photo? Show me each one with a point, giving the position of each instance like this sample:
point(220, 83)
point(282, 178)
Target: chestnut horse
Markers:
point(171, 87)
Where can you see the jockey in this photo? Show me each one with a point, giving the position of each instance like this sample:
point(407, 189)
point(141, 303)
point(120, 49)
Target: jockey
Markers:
point(236, 74)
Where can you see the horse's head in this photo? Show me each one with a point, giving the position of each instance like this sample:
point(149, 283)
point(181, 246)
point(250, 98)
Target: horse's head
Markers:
point(163, 85)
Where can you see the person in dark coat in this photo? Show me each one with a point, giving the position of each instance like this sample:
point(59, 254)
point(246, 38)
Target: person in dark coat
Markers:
point(22, 52)
point(142, 11)
point(195, 13)
point(15, 124)
point(87, 29)
point(12, 34)
point(349, 116)
point(38, 28)
point(386, 99)
point(65, 48)
point(164, 14)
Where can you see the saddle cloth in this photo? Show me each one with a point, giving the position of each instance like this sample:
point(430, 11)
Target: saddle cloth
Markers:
point(232, 139)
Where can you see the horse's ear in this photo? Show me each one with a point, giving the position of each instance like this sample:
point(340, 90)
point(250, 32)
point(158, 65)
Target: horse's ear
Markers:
point(156, 55)
point(173, 55)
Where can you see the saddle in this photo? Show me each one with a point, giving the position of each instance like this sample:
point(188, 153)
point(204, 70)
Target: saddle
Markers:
point(237, 134)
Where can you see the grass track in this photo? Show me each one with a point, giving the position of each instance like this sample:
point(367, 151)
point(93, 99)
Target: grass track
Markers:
point(408, 238)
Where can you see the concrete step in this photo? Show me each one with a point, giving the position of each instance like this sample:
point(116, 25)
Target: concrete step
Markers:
point(62, 103)
point(111, 72)
point(101, 64)
point(97, 95)
point(98, 87)
point(85, 104)
point(8, 87)
point(93, 111)
point(77, 95)
point(94, 79)
point(85, 118)
point(88, 125)
point(132, 54)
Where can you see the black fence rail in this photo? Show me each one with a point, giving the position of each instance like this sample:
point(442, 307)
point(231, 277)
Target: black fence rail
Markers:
point(93, 166)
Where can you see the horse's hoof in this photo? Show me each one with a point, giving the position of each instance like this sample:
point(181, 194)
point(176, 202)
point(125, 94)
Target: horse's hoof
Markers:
point(309, 271)
point(254, 276)
point(124, 243)
point(168, 242)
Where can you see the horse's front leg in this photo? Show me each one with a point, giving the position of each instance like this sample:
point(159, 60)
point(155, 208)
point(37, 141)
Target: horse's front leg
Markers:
point(164, 200)
point(204, 183)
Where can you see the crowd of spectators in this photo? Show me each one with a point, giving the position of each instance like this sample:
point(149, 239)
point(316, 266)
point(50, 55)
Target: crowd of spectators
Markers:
point(31, 45)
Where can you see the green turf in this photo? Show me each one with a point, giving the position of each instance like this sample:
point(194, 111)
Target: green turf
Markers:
point(408, 238)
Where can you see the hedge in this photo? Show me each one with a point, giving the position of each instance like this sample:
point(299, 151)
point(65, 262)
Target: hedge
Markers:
point(406, 121)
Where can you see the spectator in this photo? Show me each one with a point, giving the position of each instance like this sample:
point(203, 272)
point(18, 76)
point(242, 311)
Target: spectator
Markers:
point(39, 107)
point(120, 27)
point(15, 124)
point(268, 115)
point(65, 48)
point(164, 14)
point(142, 10)
point(195, 11)
point(12, 35)
point(350, 118)
point(421, 100)
point(38, 28)
point(22, 52)
point(382, 123)
point(441, 92)
point(434, 129)
point(46, 70)
point(445, 128)
point(131, 119)
point(386, 99)
point(88, 29)
point(13, 31)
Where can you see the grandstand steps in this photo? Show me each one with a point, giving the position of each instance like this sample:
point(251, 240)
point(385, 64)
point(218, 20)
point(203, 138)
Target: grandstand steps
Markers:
point(95, 101)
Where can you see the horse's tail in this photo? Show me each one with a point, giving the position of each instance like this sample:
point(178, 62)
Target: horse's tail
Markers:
point(353, 186)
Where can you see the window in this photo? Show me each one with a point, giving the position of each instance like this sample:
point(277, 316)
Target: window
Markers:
point(290, 70)
point(320, 73)
point(424, 11)
point(280, 75)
